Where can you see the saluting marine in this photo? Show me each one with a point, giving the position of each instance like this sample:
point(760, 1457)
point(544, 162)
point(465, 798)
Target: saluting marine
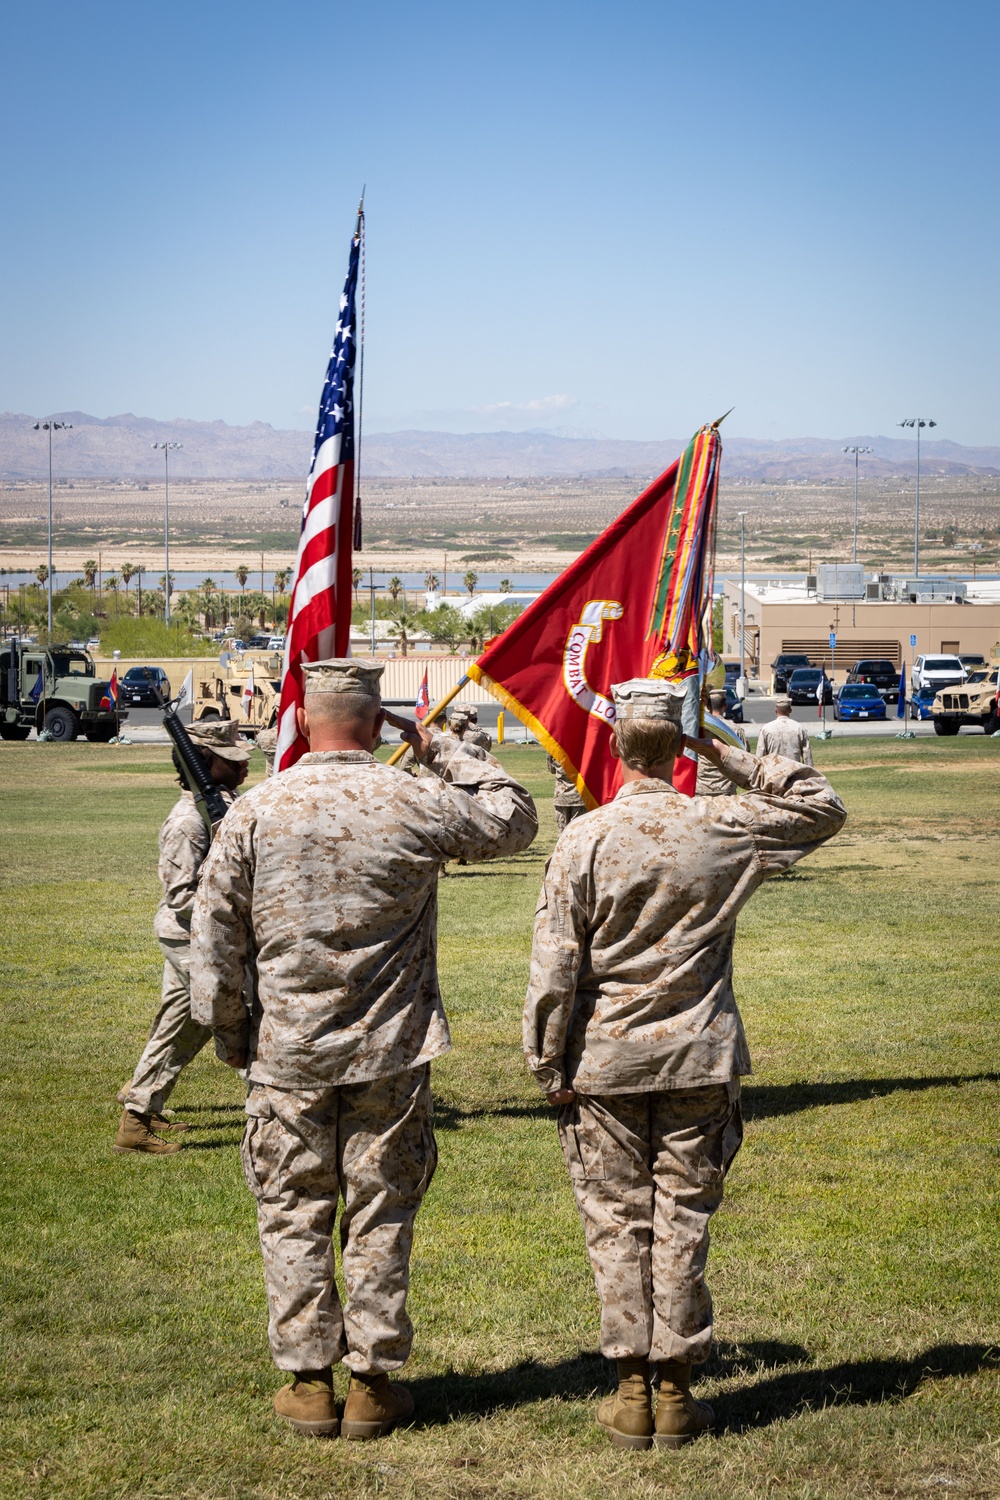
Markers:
point(328, 875)
point(785, 735)
point(631, 1026)
point(175, 1038)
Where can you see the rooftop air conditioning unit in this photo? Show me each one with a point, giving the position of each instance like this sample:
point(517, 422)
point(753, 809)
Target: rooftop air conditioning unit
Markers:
point(810, 583)
point(873, 591)
point(841, 581)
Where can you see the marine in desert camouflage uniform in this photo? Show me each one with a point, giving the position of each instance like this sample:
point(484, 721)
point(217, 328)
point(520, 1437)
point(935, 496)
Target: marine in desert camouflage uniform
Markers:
point(328, 873)
point(567, 803)
point(175, 1038)
point(631, 1026)
point(476, 736)
point(267, 740)
point(712, 782)
point(785, 735)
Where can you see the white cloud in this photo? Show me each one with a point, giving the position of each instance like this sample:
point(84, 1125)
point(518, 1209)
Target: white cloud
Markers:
point(540, 406)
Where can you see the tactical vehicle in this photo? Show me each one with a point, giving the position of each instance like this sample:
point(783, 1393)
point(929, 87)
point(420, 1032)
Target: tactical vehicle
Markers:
point(968, 703)
point(55, 688)
point(219, 691)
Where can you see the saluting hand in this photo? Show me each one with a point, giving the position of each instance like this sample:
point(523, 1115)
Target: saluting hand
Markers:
point(561, 1096)
point(709, 748)
point(416, 736)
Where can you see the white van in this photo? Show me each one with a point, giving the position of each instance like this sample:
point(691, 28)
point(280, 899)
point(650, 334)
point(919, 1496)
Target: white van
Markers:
point(937, 672)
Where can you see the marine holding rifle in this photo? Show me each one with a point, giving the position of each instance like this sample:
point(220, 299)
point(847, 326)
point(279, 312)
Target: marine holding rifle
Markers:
point(328, 875)
point(631, 1027)
point(175, 1038)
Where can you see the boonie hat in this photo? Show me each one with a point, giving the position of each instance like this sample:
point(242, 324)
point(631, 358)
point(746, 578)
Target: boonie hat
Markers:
point(221, 736)
point(649, 698)
point(344, 674)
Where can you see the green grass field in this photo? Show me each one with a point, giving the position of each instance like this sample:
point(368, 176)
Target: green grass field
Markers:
point(854, 1263)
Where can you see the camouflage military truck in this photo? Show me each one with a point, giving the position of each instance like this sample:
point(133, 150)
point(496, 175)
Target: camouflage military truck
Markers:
point(55, 688)
point(972, 702)
point(218, 691)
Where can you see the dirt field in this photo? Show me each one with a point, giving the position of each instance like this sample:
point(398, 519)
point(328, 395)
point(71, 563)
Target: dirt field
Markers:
point(526, 525)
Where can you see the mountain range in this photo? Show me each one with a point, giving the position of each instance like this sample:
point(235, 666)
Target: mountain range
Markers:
point(121, 447)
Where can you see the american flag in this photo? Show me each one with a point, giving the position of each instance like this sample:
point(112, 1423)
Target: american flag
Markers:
point(319, 615)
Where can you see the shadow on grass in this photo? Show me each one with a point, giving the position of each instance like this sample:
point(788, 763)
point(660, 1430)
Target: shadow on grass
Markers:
point(442, 1398)
point(863, 1382)
point(765, 1101)
point(760, 1101)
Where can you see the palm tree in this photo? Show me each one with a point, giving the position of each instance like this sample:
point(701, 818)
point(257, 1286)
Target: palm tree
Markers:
point(281, 578)
point(402, 622)
point(505, 585)
point(127, 571)
point(431, 582)
point(207, 592)
point(166, 585)
point(111, 582)
point(42, 574)
point(395, 587)
point(90, 574)
point(356, 576)
point(469, 581)
point(242, 574)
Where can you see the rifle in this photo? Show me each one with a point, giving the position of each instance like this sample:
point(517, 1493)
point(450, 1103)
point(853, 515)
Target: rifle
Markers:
point(207, 795)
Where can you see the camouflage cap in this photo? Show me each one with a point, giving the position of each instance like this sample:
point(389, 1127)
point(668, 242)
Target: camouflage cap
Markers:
point(344, 674)
point(267, 741)
point(221, 736)
point(459, 719)
point(783, 702)
point(649, 698)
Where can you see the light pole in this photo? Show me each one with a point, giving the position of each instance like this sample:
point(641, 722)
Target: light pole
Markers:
point(743, 598)
point(50, 427)
point(857, 454)
point(167, 449)
point(916, 422)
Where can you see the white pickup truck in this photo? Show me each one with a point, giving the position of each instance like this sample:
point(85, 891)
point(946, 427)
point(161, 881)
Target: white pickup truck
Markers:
point(937, 672)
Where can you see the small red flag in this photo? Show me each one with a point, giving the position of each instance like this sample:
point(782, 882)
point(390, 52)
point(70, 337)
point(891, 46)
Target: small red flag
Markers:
point(423, 702)
point(633, 605)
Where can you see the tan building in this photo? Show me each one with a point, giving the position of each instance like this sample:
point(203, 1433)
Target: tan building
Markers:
point(791, 617)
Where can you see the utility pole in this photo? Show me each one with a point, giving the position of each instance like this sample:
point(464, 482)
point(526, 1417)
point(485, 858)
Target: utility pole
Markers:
point(50, 427)
point(168, 448)
point(917, 422)
point(857, 454)
point(743, 598)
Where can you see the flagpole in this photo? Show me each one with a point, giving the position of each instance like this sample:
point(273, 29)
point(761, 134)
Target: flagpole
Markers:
point(359, 235)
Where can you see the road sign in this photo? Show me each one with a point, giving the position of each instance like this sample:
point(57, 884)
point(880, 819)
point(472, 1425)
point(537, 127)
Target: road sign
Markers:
point(913, 640)
point(833, 640)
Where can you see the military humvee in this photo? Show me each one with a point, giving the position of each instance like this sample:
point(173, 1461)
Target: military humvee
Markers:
point(218, 691)
point(55, 688)
point(973, 702)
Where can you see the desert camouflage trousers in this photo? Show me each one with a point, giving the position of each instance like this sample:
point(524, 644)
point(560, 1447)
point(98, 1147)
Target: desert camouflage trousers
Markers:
point(174, 1038)
point(565, 815)
point(647, 1172)
point(372, 1145)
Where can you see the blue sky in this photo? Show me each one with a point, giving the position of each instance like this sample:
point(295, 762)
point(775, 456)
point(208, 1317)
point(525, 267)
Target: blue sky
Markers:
point(610, 218)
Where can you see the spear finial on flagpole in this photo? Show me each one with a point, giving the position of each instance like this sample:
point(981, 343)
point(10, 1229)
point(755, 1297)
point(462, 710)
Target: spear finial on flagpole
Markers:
point(719, 420)
point(361, 215)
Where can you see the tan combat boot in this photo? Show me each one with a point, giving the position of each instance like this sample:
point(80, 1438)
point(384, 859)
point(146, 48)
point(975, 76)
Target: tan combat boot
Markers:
point(374, 1406)
point(308, 1403)
point(134, 1136)
point(167, 1127)
point(627, 1415)
point(679, 1417)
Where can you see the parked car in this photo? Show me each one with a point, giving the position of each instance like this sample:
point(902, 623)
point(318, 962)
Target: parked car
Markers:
point(879, 670)
point(258, 643)
point(920, 702)
point(137, 687)
point(803, 685)
point(858, 700)
point(277, 643)
point(971, 660)
point(734, 705)
point(783, 666)
point(938, 671)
